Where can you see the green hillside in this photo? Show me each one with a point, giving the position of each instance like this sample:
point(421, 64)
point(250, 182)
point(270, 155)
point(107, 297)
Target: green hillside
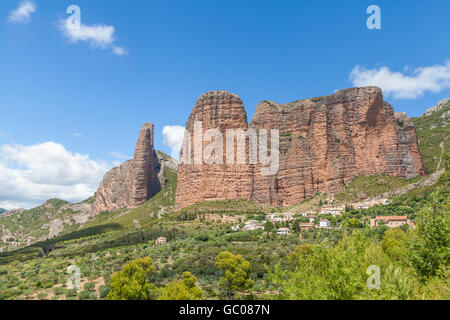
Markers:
point(433, 132)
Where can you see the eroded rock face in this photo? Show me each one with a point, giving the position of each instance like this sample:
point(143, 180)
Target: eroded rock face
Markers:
point(324, 144)
point(202, 182)
point(135, 181)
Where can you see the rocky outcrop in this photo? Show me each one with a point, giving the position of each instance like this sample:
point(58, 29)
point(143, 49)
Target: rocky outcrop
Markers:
point(13, 212)
point(408, 147)
point(441, 104)
point(324, 144)
point(166, 162)
point(135, 181)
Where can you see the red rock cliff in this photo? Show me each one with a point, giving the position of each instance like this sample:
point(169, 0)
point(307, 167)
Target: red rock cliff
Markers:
point(201, 182)
point(324, 144)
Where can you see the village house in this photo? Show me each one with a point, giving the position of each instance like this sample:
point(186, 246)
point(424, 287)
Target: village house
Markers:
point(252, 225)
point(391, 221)
point(332, 211)
point(283, 231)
point(324, 223)
point(161, 241)
point(274, 217)
point(312, 218)
point(306, 214)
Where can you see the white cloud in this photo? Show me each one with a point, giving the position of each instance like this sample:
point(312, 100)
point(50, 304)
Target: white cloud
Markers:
point(404, 86)
point(173, 138)
point(23, 12)
point(30, 175)
point(119, 155)
point(79, 135)
point(120, 51)
point(98, 36)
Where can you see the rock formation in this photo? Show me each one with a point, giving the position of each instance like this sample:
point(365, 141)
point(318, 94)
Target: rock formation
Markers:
point(201, 182)
point(135, 181)
point(324, 144)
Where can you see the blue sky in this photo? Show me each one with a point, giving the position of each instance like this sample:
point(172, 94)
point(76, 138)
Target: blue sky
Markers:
point(173, 51)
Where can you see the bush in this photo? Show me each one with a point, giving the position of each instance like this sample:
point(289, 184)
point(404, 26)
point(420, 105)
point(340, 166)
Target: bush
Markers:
point(59, 291)
point(71, 293)
point(103, 291)
point(84, 295)
point(42, 295)
point(89, 286)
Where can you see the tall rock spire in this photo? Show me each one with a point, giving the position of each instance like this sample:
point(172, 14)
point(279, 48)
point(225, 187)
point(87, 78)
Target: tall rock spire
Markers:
point(135, 181)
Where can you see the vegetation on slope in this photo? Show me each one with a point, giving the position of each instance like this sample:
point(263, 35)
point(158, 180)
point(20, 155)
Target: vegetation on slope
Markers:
point(33, 223)
point(368, 187)
point(433, 132)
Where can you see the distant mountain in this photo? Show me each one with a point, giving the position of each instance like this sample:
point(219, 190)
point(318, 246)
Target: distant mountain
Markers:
point(2, 210)
point(433, 132)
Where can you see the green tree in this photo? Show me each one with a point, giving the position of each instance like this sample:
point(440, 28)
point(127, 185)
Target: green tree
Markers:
point(296, 226)
point(131, 283)
point(184, 289)
point(269, 227)
point(430, 252)
point(394, 244)
point(352, 223)
point(237, 273)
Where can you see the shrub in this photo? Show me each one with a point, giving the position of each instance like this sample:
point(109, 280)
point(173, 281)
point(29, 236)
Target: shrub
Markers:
point(84, 295)
point(89, 286)
point(103, 291)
